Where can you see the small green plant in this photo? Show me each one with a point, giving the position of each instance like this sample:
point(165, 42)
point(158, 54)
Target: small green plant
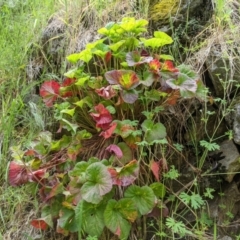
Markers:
point(103, 172)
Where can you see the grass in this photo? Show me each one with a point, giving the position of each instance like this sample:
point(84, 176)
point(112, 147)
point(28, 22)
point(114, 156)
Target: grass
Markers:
point(21, 24)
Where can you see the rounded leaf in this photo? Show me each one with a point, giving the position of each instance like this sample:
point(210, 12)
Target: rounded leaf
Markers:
point(143, 197)
point(116, 215)
point(98, 183)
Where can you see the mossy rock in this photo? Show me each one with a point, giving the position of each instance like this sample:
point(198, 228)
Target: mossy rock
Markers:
point(180, 11)
point(163, 9)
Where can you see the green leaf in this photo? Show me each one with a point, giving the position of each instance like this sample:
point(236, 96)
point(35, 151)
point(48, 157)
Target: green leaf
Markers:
point(153, 95)
point(163, 36)
point(93, 220)
point(148, 79)
point(209, 146)
point(70, 126)
point(127, 152)
point(115, 217)
point(159, 189)
point(67, 220)
point(100, 50)
point(79, 169)
point(85, 55)
point(61, 143)
point(161, 39)
point(69, 111)
point(187, 71)
point(153, 131)
point(81, 81)
point(74, 73)
point(86, 100)
point(98, 183)
point(143, 197)
point(194, 200)
point(166, 57)
point(114, 47)
point(17, 153)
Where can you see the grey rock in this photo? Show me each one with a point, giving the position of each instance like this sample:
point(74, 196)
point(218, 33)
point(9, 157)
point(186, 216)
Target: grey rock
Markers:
point(221, 70)
point(236, 123)
point(231, 161)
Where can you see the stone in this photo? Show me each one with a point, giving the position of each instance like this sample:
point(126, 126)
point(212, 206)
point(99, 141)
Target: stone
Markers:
point(236, 123)
point(231, 162)
point(221, 70)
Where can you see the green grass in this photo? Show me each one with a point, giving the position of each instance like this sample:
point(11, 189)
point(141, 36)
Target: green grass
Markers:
point(21, 25)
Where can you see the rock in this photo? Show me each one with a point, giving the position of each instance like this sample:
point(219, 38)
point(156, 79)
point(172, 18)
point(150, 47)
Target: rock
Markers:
point(181, 12)
point(231, 162)
point(198, 129)
point(225, 238)
point(222, 69)
point(225, 209)
point(236, 123)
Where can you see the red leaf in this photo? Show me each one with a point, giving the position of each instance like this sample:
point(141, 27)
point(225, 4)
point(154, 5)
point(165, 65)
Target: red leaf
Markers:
point(168, 66)
point(108, 133)
point(106, 92)
point(173, 97)
point(103, 117)
point(66, 83)
point(30, 152)
point(154, 66)
point(49, 91)
point(115, 149)
point(155, 167)
point(108, 57)
point(17, 174)
point(39, 224)
point(159, 211)
point(57, 189)
point(127, 79)
point(126, 175)
point(36, 176)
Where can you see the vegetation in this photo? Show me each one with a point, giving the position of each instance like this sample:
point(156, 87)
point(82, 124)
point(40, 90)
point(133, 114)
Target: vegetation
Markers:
point(126, 115)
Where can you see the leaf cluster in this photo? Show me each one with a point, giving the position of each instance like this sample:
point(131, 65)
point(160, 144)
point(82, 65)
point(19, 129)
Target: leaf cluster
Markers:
point(115, 109)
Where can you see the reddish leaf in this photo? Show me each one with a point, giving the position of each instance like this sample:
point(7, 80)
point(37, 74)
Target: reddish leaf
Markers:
point(107, 57)
point(144, 53)
point(127, 79)
point(168, 66)
point(159, 211)
point(49, 91)
point(57, 189)
point(131, 141)
point(115, 149)
point(103, 117)
point(39, 224)
point(118, 231)
point(154, 66)
point(66, 83)
point(126, 175)
point(173, 97)
point(158, 167)
point(106, 92)
point(17, 174)
point(108, 133)
point(135, 58)
point(30, 152)
point(36, 176)
point(155, 167)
